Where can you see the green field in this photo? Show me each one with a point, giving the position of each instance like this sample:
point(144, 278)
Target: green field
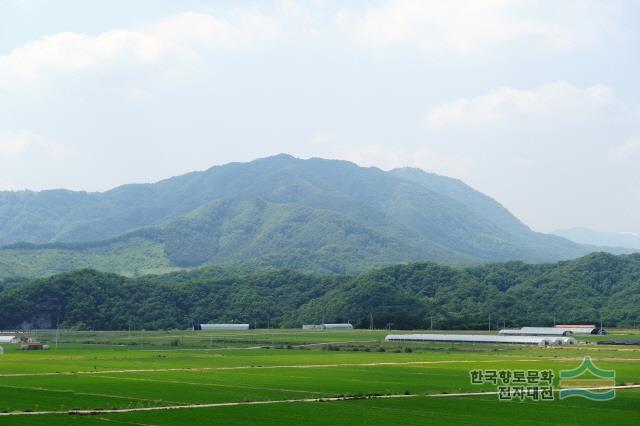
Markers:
point(261, 374)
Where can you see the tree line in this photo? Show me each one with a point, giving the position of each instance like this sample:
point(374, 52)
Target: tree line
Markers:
point(408, 296)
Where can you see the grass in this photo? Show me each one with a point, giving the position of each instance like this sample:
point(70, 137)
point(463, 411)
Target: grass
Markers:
point(409, 411)
point(91, 370)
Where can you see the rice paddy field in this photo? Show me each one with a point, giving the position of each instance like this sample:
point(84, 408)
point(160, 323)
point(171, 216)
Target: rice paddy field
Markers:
point(265, 377)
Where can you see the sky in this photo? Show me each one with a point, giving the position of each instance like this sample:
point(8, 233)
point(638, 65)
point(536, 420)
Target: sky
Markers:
point(535, 103)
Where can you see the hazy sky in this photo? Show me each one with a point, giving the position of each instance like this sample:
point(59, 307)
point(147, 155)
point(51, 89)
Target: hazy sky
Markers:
point(536, 103)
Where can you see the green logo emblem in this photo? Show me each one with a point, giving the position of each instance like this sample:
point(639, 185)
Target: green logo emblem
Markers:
point(588, 381)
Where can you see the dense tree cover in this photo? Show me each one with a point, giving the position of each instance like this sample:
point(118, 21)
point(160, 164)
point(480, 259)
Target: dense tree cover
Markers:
point(598, 286)
point(132, 257)
point(316, 215)
point(7, 283)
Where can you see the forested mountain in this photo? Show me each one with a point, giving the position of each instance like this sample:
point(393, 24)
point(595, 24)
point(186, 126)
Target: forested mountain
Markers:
point(594, 287)
point(281, 212)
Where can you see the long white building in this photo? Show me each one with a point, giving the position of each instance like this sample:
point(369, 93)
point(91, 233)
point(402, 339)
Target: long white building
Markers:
point(9, 339)
point(481, 338)
point(535, 331)
point(552, 331)
point(224, 326)
point(337, 326)
point(344, 326)
point(583, 328)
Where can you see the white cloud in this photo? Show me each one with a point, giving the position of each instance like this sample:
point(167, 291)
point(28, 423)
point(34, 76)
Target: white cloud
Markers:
point(16, 144)
point(185, 35)
point(629, 150)
point(299, 18)
point(556, 154)
point(549, 104)
point(473, 26)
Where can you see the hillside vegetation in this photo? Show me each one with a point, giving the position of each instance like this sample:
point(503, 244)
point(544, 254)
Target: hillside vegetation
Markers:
point(316, 215)
point(598, 286)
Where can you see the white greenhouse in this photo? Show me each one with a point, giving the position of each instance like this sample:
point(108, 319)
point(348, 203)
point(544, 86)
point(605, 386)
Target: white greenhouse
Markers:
point(336, 326)
point(583, 328)
point(558, 330)
point(311, 327)
point(224, 326)
point(536, 331)
point(481, 338)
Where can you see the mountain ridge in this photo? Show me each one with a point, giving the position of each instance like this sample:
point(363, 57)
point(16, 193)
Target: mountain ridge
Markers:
point(608, 239)
point(314, 215)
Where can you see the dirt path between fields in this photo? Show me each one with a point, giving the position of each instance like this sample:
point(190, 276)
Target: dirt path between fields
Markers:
point(302, 366)
point(281, 401)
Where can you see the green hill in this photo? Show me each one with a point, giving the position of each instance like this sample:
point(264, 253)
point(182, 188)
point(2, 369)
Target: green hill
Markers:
point(277, 212)
point(598, 286)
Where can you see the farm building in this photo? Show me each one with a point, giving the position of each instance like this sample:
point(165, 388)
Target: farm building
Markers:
point(224, 326)
point(326, 326)
point(480, 338)
point(583, 328)
point(552, 331)
point(535, 331)
point(9, 339)
point(337, 326)
point(589, 326)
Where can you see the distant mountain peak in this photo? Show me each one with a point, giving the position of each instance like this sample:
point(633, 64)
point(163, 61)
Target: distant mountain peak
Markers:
point(314, 214)
point(582, 235)
point(276, 157)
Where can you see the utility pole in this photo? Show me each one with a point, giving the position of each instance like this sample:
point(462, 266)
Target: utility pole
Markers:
point(370, 320)
point(489, 321)
point(431, 318)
